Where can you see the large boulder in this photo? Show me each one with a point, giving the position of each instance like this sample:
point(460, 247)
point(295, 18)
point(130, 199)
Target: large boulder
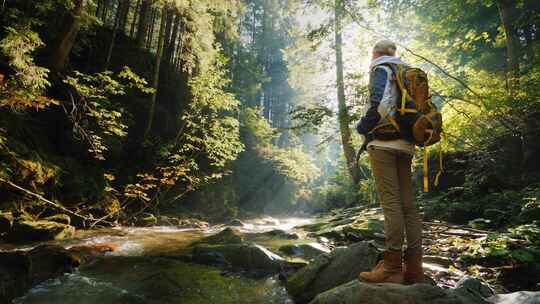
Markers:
point(19, 271)
point(520, 297)
point(39, 230)
point(244, 256)
point(472, 287)
point(330, 270)
point(225, 236)
point(145, 220)
point(305, 251)
point(356, 292)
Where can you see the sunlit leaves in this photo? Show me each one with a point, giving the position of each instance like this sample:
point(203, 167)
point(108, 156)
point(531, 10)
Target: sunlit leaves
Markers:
point(102, 117)
point(310, 118)
point(209, 137)
point(25, 88)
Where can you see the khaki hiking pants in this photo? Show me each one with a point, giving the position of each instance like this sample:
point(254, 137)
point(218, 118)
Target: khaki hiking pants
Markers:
point(393, 178)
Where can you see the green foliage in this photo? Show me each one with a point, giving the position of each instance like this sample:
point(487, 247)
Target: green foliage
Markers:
point(501, 248)
point(207, 142)
point(24, 89)
point(529, 232)
point(96, 117)
point(210, 122)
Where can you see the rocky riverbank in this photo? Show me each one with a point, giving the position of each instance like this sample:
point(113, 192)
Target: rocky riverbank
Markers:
point(260, 261)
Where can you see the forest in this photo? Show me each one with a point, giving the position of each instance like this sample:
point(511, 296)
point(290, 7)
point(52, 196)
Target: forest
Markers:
point(206, 151)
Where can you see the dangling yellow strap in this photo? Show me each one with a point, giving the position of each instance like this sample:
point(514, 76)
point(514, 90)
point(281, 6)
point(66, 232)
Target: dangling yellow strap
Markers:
point(426, 170)
point(441, 169)
point(403, 101)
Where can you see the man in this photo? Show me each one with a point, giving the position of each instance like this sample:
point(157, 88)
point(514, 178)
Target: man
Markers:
point(391, 166)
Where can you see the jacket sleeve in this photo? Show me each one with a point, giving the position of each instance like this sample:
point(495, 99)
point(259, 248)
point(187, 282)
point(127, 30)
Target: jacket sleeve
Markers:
point(372, 116)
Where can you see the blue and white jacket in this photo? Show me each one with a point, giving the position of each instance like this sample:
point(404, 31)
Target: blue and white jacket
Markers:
point(382, 103)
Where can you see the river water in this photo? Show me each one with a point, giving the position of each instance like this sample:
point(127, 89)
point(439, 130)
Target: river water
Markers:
point(145, 268)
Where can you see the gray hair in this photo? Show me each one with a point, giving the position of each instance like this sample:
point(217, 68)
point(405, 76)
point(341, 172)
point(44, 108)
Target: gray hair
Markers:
point(385, 47)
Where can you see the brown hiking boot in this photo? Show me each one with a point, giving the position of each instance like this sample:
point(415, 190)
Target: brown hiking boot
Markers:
point(413, 267)
point(387, 271)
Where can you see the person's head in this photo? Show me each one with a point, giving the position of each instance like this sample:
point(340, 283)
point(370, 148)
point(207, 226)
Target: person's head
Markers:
point(384, 48)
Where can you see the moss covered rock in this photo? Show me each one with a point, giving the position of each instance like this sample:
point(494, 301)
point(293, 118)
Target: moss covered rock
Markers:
point(146, 220)
point(225, 236)
point(40, 230)
point(355, 292)
point(330, 270)
point(367, 229)
point(306, 251)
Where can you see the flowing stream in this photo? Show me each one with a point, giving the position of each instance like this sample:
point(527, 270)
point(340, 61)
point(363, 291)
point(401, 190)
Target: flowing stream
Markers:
point(145, 268)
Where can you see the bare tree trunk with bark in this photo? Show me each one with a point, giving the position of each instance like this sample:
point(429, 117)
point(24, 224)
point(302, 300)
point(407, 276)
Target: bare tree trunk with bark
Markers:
point(119, 13)
point(511, 41)
point(144, 16)
point(66, 37)
point(155, 80)
point(343, 114)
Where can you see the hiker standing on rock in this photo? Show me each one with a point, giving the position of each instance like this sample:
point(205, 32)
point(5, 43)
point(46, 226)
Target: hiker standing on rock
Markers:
point(391, 157)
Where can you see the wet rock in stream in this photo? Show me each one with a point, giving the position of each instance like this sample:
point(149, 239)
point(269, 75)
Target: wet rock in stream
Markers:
point(19, 271)
point(228, 248)
point(249, 257)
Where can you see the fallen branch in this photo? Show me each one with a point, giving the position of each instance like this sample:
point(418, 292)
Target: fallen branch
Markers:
point(48, 202)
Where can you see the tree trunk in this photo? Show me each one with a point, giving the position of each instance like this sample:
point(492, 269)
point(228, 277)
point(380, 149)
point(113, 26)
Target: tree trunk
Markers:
point(168, 29)
point(66, 37)
point(99, 8)
point(172, 43)
point(529, 38)
point(104, 11)
point(177, 61)
point(343, 115)
point(511, 41)
point(155, 81)
point(119, 13)
point(150, 35)
point(126, 4)
point(134, 21)
point(143, 22)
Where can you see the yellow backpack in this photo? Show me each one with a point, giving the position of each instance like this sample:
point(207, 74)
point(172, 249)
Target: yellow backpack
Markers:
point(417, 117)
